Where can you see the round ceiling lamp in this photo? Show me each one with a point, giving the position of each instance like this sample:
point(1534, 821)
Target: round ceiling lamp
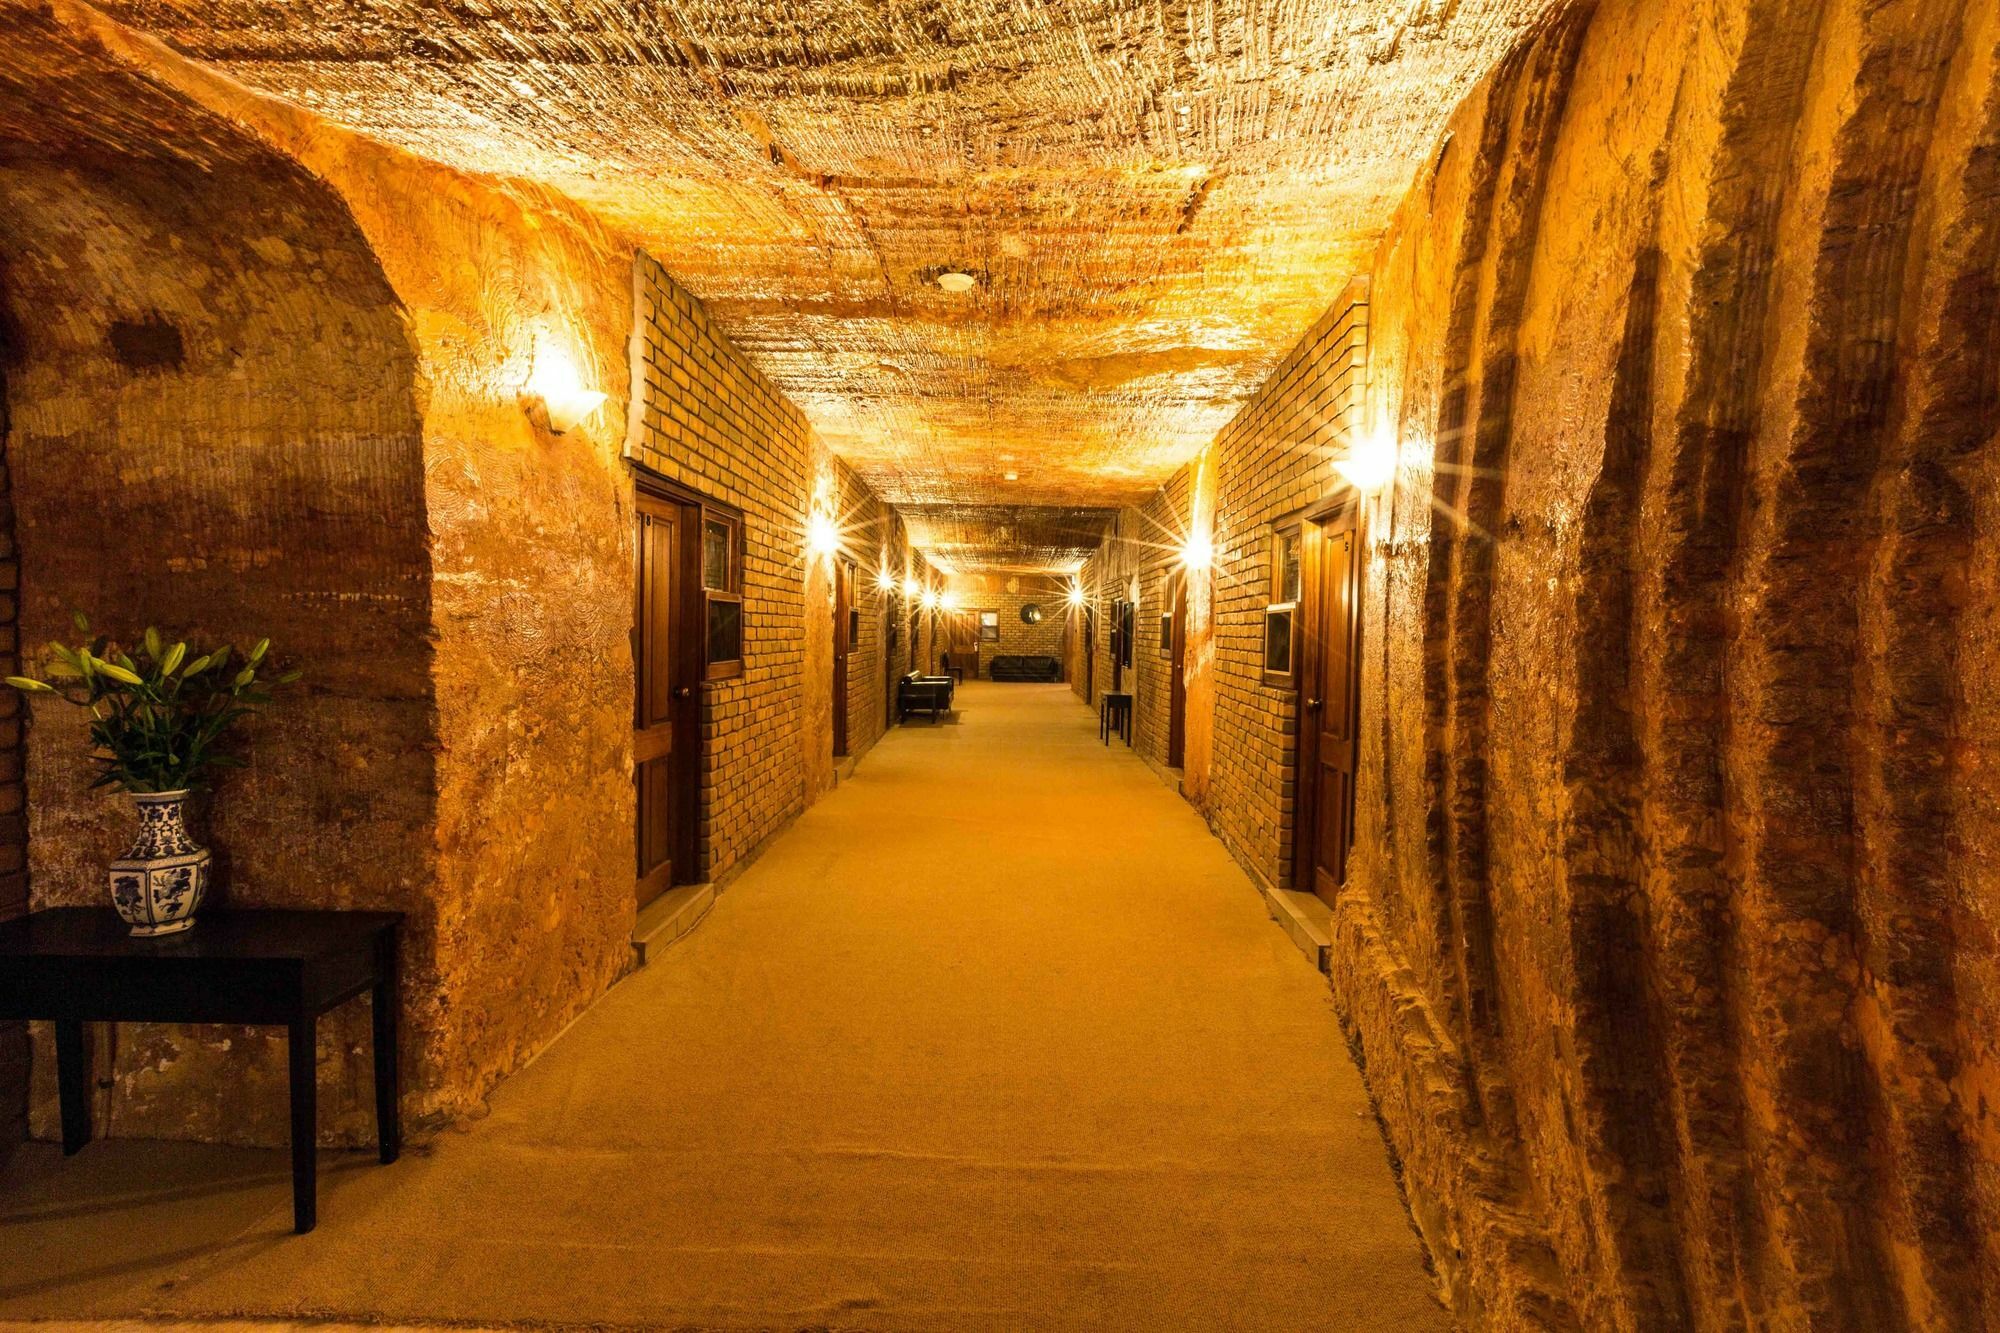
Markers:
point(955, 282)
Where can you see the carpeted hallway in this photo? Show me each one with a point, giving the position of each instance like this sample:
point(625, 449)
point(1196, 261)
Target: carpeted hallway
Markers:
point(996, 1036)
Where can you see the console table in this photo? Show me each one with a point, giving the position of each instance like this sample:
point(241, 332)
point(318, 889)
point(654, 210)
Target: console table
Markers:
point(80, 965)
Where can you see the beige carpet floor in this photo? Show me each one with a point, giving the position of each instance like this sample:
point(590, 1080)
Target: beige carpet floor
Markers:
point(995, 1037)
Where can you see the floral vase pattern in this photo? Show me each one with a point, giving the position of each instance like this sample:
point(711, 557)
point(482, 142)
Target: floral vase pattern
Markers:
point(159, 883)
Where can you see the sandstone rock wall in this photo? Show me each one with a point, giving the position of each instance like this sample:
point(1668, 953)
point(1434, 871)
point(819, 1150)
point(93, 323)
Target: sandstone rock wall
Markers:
point(157, 290)
point(1667, 945)
point(1669, 937)
point(313, 427)
point(529, 559)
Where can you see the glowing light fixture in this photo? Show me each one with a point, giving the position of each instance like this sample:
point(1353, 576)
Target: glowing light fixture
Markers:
point(885, 580)
point(949, 601)
point(555, 386)
point(821, 535)
point(930, 601)
point(911, 587)
point(1198, 553)
point(1076, 594)
point(1370, 463)
point(955, 282)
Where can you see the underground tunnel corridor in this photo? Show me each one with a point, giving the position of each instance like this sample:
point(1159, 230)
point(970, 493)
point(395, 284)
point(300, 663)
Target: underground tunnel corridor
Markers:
point(996, 1036)
point(1282, 664)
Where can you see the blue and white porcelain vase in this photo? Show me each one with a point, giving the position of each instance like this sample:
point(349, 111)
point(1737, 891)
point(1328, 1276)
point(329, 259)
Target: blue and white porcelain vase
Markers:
point(158, 884)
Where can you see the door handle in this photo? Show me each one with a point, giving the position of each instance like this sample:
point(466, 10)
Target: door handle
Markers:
point(682, 691)
point(1313, 704)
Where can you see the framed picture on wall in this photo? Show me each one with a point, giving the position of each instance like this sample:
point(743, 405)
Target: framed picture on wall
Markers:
point(989, 627)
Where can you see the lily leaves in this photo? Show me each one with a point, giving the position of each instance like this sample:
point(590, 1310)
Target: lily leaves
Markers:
point(158, 710)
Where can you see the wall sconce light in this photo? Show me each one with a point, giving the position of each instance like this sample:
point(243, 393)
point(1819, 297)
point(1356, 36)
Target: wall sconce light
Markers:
point(822, 537)
point(1370, 463)
point(911, 587)
point(885, 580)
point(1198, 553)
point(930, 601)
point(1076, 594)
point(555, 387)
point(949, 601)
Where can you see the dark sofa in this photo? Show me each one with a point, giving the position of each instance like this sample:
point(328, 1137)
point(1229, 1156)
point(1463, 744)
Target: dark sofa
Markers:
point(1013, 666)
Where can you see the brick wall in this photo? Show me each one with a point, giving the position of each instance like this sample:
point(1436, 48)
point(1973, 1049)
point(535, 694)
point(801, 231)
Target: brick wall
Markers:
point(1269, 462)
point(707, 419)
point(1005, 595)
point(1272, 461)
point(873, 538)
point(1161, 531)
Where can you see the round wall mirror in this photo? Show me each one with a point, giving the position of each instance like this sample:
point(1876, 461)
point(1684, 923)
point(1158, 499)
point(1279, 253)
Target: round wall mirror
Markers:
point(1031, 614)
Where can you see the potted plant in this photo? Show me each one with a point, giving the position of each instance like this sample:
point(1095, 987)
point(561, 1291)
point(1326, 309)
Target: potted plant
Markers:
point(158, 716)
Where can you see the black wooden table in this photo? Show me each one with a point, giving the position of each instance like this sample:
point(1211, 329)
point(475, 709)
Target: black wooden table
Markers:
point(80, 965)
point(1115, 716)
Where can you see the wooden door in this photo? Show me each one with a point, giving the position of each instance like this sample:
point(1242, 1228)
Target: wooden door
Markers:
point(1329, 704)
point(889, 649)
point(666, 726)
point(965, 642)
point(843, 634)
point(1176, 677)
point(1090, 656)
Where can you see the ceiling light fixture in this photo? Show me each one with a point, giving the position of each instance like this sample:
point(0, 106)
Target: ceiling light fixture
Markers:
point(955, 282)
point(1013, 476)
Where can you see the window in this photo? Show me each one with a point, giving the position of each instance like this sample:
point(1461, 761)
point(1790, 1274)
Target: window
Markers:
point(989, 627)
point(722, 593)
point(1285, 566)
point(1281, 615)
point(1166, 633)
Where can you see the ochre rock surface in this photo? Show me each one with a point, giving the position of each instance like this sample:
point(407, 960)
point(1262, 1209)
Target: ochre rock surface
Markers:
point(1150, 194)
point(1670, 943)
point(306, 420)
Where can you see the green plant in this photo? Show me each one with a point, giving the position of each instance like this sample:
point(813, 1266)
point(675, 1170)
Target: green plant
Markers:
point(158, 712)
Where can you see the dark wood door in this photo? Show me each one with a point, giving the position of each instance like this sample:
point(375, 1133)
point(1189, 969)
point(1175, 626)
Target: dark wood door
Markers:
point(666, 728)
point(890, 625)
point(843, 602)
point(1177, 677)
point(964, 638)
point(1090, 657)
point(1329, 706)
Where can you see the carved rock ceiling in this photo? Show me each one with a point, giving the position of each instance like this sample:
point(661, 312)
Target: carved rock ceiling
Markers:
point(1157, 197)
